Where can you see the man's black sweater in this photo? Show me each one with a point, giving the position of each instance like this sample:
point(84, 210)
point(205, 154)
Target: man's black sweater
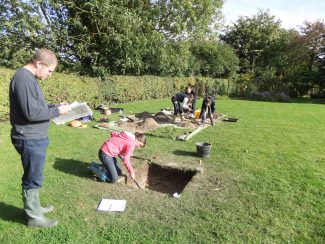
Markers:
point(29, 113)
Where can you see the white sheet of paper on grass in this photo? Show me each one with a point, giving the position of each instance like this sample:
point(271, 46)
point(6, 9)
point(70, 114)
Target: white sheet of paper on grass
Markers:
point(112, 205)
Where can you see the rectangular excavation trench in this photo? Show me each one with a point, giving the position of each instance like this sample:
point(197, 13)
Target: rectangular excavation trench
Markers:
point(163, 179)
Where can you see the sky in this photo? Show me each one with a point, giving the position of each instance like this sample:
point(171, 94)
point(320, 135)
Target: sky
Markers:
point(292, 13)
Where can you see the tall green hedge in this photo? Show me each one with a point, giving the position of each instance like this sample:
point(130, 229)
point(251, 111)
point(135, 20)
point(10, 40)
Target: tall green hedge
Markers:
point(5, 76)
point(132, 88)
point(118, 89)
point(57, 88)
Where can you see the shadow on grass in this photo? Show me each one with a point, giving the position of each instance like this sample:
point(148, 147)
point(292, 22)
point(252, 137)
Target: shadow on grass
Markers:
point(305, 100)
point(185, 153)
point(168, 132)
point(12, 213)
point(151, 134)
point(73, 167)
point(308, 100)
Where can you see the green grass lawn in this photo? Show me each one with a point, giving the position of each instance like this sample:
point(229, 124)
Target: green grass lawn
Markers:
point(263, 182)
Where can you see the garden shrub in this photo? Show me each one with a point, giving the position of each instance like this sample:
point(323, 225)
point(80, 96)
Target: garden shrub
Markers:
point(131, 88)
point(63, 87)
point(57, 88)
point(111, 89)
point(212, 86)
point(5, 76)
point(270, 96)
point(242, 86)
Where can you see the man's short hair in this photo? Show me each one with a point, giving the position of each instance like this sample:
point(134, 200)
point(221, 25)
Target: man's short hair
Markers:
point(46, 56)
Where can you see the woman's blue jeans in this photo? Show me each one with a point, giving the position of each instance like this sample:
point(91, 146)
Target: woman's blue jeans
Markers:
point(111, 165)
point(33, 155)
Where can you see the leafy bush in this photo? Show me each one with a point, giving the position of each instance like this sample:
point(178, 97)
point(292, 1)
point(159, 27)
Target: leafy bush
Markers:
point(5, 76)
point(111, 89)
point(62, 87)
point(131, 88)
point(242, 85)
point(212, 86)
point(57, 88)
point(269, 96)
point(223, 97)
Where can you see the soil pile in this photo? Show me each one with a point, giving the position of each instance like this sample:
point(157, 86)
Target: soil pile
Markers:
point(189, 124)
point(143, 126)
point(160, 117)
point(148, 124)
point(129, 126)
point(143, 115)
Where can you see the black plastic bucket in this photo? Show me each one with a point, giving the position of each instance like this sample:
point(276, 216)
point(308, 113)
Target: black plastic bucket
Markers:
point(203, 149)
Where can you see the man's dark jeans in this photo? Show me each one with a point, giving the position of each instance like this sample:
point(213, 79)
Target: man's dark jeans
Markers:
point(33, 155)
point(111, 165)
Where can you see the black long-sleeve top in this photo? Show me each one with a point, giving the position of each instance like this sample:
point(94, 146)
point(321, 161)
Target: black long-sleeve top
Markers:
point(29, 113)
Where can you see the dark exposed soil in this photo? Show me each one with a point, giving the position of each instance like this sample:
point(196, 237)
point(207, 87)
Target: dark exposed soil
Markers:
point(143, 122)
point(163, 179)
point(143, 115)
point(189, 124)
point(160, 117)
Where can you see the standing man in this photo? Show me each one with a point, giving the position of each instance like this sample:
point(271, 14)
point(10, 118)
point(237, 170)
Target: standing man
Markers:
point(30, 118)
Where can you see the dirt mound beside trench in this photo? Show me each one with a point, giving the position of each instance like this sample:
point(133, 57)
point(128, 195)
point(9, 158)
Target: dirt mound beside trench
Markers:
point(149, 124)
point(143, 115)
point(160, 117)
point(143, 126)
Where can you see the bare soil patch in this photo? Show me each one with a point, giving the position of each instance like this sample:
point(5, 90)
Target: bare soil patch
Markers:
point(163, 179)
point(140, 126)
point(160, 117)
point(143, 122)
point(143, 115)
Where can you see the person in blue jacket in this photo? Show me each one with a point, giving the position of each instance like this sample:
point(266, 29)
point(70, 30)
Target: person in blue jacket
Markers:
point(208, 108)
point(181, 102)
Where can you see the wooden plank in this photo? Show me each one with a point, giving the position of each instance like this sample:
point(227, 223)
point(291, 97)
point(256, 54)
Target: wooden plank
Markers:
point(188, 136)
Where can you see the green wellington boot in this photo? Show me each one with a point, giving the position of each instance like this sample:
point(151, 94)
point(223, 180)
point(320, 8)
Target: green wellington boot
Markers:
point(47, 209)
point(34, 212)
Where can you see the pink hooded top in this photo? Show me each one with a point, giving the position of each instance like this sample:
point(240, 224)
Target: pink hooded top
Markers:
point(120, 143)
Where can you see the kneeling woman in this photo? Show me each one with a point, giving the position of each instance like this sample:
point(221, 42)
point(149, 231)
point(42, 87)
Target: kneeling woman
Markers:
point(120, 144)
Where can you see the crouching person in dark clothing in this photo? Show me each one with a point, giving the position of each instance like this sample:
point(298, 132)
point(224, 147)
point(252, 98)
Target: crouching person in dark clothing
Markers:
point(208, 108)
point(30, 118)
point(181, 102)
point(190, 90)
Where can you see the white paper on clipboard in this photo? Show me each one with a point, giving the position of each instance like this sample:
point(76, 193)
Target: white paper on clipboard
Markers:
point(78, 110)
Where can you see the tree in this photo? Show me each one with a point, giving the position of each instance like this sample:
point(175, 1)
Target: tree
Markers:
point(313, 38)
point(213, 59)
point(257, 41)
point(98, 37)
point(21, 31)
point(26, 25)
point(130, 37)
point(185, 19)
point(313, 41)
point(270, 56)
